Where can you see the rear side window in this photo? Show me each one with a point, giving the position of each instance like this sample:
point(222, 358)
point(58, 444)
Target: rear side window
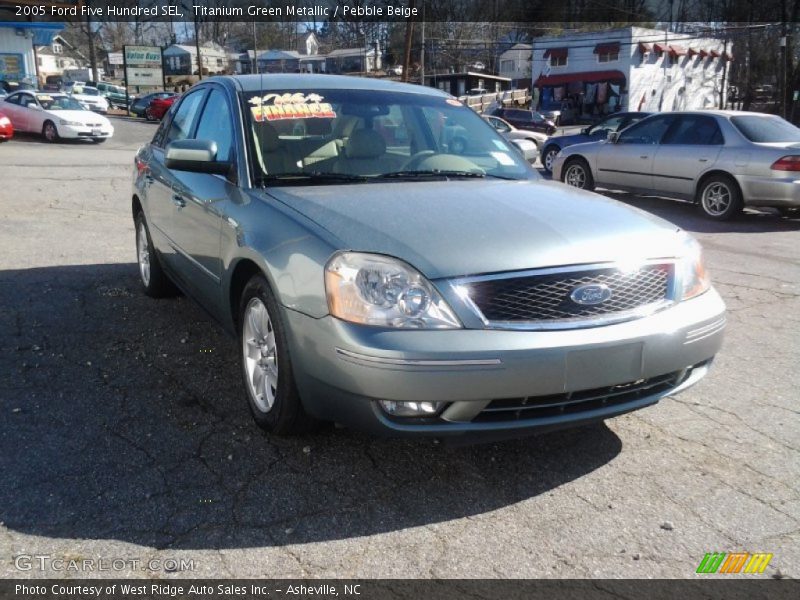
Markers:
point(13, 99)
point(181, 125)
point(215, 124)
point(694, 130)
point(766, 129)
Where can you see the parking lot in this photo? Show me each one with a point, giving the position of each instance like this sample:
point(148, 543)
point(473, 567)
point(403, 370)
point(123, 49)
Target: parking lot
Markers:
point(125, 432)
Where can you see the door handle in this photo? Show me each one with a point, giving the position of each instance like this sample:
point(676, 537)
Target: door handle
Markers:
point(644, 156)
point(703, 160)
point(178, 200)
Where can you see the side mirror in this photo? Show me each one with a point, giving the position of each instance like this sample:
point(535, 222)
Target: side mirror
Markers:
point(612, 137)
point(585, 130)
point(197, 156)
point(35, 106)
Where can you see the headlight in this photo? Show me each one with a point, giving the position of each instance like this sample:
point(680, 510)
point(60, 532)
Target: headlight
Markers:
point(694, 276)
point(71, 123)
point(372, 289)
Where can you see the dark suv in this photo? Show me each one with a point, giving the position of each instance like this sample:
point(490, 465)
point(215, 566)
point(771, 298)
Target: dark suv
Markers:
point(529, 120)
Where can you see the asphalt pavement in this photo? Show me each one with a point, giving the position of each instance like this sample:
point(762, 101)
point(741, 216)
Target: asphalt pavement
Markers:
point(125, 432)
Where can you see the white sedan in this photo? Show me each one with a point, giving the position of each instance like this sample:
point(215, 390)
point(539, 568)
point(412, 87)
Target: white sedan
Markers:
point(55, 116)
point(90, 97)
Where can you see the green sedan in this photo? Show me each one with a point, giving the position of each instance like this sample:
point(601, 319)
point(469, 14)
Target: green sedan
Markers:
point(380, 276)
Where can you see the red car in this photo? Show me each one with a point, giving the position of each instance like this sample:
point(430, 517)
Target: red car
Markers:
point(6, 129)
point(156, 110)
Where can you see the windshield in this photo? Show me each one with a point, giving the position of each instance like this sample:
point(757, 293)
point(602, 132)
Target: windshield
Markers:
point(766, 129)
point(59, 103)
point(87, 91)
point(362, 135)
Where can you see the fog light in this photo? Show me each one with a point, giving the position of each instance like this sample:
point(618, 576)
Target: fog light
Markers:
point(410, 409)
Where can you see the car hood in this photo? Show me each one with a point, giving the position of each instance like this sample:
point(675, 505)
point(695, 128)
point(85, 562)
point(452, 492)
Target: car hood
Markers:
point(80, 116)
point(453, 228)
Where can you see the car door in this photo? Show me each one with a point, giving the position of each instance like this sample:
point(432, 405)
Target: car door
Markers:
point(160, 181)
point(628, 162)
point(688, 149)
point(200, 200)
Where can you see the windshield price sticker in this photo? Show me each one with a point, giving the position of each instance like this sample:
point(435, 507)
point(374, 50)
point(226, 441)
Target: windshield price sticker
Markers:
point(274, 107)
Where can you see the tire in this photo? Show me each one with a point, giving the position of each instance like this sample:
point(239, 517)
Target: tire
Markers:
point(50, 132)
point(148, 114)
point(99, 140)
point(266, 365)
point(719, 198)
point(577, 174)
point(155, 282)
point(548, 156)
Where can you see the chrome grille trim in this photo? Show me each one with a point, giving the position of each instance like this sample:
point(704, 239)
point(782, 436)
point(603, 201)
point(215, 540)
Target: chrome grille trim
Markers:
point(461, 287)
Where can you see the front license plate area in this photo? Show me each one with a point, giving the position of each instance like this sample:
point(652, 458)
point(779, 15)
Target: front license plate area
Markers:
point(606, 366)
point(96, 132)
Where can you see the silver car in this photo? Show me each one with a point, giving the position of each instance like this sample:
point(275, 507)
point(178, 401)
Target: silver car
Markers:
point(375, 278)
point(528, 142)
point(722, 160)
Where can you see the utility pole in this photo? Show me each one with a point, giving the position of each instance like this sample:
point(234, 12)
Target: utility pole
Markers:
point(407, 49)
point(422, 49)
point(90, 39)
point(197, 48)
point(784, 60)
point(255, 51)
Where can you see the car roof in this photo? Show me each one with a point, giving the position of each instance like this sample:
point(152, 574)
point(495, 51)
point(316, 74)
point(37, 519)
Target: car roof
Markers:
point(308, 82)
point(718, 113)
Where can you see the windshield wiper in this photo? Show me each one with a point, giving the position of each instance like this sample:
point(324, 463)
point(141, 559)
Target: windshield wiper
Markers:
point(429, 173)
point(314, 177)
point(438, 173)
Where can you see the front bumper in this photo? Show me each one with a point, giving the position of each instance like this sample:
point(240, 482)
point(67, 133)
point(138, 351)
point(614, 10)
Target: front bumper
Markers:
point(342, 369)
point(777, 191)
point(89, 133)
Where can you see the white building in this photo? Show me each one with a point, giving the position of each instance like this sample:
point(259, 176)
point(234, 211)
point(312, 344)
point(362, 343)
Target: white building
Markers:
point(57, 57)
point(594, 73)
point(515, 64)
point(180, 59)
point(17, 55)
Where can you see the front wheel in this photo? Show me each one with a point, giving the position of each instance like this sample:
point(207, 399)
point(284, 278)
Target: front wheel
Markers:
point(549, 157)
point(148, 114)
point(266, 364)
point(577, 174)
point(49, 132)
point(719, 198)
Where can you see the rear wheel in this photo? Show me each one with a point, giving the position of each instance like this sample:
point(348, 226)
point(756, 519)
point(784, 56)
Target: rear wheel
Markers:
point(155, 282)
point(719, 198)
point(549, 157)
point(49, 132)
point(577, 174)
point(266, 365)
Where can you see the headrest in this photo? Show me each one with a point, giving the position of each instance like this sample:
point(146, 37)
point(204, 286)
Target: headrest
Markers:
point(318, 127)
point(365, 143)
point(268, 137)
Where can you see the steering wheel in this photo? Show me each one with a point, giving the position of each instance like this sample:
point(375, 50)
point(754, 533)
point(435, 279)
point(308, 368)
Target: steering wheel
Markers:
point(413, 162)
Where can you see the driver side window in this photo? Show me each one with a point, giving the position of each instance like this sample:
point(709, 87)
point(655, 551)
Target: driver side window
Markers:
point(649, 131)
point(181, 125)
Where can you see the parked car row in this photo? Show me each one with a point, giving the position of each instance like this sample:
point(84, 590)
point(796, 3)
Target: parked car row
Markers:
point(721, 160)
point(140, 104)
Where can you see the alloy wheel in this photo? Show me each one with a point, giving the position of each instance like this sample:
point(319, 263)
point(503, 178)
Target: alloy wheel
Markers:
point(575, 176)
point(143, 253)
point(260, 351)
point(49, 132)
point(717, 199)
point(549, 158)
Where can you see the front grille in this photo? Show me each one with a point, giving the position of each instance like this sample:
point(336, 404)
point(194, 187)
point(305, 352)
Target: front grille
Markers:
point(535, 407)
point(547, 297)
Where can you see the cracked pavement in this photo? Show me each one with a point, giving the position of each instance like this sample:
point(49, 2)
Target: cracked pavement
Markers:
point(125, 432)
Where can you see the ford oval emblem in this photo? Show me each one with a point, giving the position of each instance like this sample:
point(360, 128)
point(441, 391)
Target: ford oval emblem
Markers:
point(590, 294)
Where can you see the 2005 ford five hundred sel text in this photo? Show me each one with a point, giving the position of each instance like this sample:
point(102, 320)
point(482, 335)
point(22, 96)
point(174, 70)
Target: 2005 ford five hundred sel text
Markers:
point(380, 276)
